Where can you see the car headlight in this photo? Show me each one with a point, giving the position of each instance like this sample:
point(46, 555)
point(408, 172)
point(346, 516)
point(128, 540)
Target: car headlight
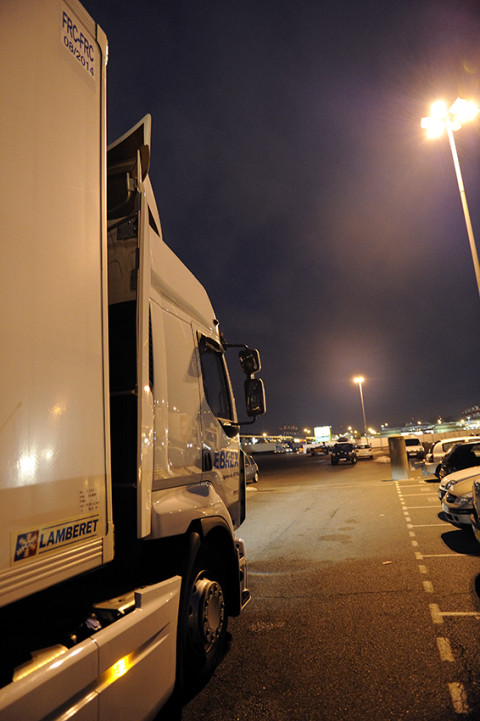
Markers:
point(465, 500)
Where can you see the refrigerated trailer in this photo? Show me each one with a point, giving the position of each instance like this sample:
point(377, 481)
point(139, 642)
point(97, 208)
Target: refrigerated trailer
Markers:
point(122, 482)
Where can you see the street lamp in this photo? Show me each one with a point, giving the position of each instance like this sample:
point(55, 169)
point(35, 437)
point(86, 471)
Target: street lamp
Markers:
point(451, 119)
point(360, 380)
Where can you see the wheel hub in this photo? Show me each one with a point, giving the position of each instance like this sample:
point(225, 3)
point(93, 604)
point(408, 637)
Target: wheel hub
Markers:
point(207, 613)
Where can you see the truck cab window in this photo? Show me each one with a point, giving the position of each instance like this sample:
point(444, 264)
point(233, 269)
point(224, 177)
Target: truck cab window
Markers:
point(215, 382)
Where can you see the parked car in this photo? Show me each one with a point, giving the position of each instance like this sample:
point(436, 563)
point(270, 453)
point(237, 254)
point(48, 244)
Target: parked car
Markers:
point(414, 447)
point(251, 469)
point(463, 455)
point(438, 451)
point(363, 450)
point(447, 482)
point(457, 504)
point(320, 450)
point(343, 452)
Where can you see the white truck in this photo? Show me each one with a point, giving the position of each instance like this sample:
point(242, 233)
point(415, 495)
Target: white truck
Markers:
point(121, 481)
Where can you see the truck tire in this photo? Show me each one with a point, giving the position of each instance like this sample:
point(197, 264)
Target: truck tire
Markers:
point(205, 624)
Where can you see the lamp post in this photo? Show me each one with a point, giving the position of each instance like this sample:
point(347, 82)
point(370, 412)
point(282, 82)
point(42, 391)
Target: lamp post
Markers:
point(360, 380)
point(451, 119)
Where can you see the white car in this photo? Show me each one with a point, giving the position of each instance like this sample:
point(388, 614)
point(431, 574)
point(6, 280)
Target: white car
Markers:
point(414, 447)
point(436, 453)
point(457, 504)
point(363, 450)
point(452, 479)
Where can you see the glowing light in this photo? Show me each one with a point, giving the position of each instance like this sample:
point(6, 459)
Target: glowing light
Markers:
point(434, 127)
point(462, 111)
point(360, 380)
point(57, 410)
point(27, 465)
point(119, 669)
point(439, 110)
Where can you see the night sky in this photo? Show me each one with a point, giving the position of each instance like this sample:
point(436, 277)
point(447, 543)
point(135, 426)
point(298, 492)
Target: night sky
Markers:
point(293, 178)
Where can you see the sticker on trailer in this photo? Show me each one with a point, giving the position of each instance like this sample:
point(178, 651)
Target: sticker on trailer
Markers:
point(36, 542)
point(78, 42)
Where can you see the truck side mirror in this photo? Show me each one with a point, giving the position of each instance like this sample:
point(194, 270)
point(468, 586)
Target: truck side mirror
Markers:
point(250, 361)
point(255, 397)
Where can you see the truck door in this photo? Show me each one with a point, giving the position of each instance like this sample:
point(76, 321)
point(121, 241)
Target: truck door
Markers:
point(221, 444)
point(129, 329)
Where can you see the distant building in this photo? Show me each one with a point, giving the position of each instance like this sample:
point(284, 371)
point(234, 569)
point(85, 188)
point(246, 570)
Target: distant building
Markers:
point(472, 413)
point(288, 430)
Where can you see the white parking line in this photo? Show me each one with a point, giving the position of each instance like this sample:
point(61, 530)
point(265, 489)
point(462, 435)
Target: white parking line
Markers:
point(444, 649)
point(427, 490)
point(445, 555)
point(459, 697)
point(415, 507)
point(420, 556)
point(438, 616)
point(435, 613)
point(456, 689)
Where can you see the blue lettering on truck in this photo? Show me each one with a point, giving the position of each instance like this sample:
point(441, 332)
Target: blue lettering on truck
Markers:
point(77, 41)
point(38, 541)
point(225, 459)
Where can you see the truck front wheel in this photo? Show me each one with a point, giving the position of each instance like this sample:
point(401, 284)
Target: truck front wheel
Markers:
point(205, 626)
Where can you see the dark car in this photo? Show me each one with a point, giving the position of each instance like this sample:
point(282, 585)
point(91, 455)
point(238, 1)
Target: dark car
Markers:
point(343, 452)
point(463, 455)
